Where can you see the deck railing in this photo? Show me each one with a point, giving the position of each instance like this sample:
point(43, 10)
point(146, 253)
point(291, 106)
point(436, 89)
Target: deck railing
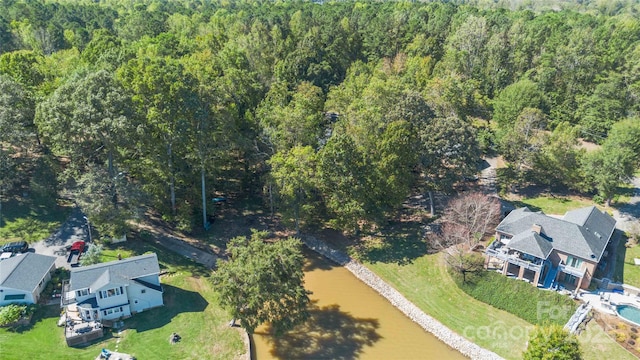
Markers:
point(67, 297)
point(572, 271)
point(513, 259)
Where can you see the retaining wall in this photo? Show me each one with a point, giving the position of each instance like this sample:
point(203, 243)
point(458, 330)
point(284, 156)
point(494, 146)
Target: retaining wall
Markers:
point(428, 323)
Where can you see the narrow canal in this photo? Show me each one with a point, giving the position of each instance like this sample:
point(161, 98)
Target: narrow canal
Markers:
point(349, 320)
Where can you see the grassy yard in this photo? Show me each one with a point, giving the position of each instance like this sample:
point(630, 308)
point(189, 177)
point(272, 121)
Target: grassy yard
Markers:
point(31, 219)
point(427, 283)
point(631, 270)
point(424, 280)
point(554, 205)
point(191, 309)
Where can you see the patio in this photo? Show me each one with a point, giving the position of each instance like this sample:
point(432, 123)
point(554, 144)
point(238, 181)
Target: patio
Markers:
point(606, 301)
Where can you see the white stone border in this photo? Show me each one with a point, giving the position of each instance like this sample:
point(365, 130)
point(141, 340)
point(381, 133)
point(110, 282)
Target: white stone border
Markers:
point(418, 316)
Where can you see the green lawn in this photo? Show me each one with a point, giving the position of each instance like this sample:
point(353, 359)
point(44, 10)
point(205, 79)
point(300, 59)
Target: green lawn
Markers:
point(631, 270)
point(191, 309)
point(553, 205)
point(31, 219)
point(427, 283)
point(597, 345)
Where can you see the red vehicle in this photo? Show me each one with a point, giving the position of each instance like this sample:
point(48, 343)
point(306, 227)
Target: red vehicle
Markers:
point(74, 253)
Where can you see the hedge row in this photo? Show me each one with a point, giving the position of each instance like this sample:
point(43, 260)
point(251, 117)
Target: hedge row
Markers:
point(539, 307)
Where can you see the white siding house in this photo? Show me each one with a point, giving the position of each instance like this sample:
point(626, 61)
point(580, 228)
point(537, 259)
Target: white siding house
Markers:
point(24, 277)
point(116, 289)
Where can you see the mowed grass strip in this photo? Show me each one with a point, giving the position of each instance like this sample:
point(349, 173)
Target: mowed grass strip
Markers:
point(553, 205)
point(631, 270)
point(427, 283)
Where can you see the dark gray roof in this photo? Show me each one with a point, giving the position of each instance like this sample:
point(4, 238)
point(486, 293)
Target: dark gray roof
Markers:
point(117, 272)
point(24, 272)
point(583, 232)
point(532, 243)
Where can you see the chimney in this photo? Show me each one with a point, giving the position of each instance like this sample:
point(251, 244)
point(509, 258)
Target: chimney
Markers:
point(536, 228)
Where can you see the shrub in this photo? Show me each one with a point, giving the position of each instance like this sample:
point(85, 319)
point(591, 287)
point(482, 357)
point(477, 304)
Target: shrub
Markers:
point(517, 297)
point(11, 313)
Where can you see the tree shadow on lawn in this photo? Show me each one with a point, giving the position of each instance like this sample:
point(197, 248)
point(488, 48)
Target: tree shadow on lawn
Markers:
point(176, 301)
point(328, 334)
point(519, 204)
point(400, 243)
point(41, 313)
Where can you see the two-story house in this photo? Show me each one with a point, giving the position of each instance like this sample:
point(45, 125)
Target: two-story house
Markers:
point(115, 289)
point(549, 251)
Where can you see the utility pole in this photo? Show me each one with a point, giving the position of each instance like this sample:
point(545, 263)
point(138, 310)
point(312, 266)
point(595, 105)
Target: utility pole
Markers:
point(89, 228)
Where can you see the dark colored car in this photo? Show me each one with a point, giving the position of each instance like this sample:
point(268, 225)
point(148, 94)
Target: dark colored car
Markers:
point(16, 247)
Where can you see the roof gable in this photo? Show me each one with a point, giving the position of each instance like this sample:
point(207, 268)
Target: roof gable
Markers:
point(119, 271)
point(532, 243)
point(25, 271)
point(583, 232)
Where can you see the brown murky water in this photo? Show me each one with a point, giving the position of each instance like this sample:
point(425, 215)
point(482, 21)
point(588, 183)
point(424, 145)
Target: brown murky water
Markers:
point(349, 321)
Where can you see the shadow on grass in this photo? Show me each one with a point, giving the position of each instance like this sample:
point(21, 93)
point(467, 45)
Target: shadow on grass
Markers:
point(328, 334)
point(519, 204)
point(400, 243)
point(41, 313)
point(31, 219)
point(169, 260)
point(176, 301)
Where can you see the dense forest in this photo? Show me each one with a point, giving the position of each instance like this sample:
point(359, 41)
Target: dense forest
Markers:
point(328, 112)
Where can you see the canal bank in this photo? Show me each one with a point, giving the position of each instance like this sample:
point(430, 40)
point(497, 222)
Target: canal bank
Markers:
point(425, 321)
point(349, 320)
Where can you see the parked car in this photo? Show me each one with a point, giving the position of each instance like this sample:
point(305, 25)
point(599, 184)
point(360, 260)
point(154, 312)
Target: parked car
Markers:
point(16, 247)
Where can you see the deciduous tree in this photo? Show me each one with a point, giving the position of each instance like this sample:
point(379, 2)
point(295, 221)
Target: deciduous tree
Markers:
point(552, 343)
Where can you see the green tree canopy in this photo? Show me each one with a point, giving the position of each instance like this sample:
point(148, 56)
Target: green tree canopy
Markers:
point(552, 343)
point(262, 282)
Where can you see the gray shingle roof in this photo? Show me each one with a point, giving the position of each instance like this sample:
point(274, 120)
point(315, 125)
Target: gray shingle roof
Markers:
point(583, 232)
point(118, 272)
point(531, 243)
point(24, 272)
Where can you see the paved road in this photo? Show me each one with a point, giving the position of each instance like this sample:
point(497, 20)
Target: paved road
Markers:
point(629, 213)
point(178, 245)
point(72, 230)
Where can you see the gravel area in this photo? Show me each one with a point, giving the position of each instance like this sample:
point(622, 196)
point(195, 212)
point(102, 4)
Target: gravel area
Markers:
point(428, 323)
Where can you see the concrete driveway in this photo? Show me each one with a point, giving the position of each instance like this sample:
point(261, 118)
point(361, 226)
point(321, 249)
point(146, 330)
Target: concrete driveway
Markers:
point(72, 230)
point(629, 213)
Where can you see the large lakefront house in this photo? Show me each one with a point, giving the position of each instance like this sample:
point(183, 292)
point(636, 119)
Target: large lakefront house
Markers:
point(552, 251)
point(116, 289)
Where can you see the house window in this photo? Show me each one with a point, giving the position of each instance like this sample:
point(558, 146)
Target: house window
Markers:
point(110, 293)
point(574, 262)
point(14, 297)
point(83, 292)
